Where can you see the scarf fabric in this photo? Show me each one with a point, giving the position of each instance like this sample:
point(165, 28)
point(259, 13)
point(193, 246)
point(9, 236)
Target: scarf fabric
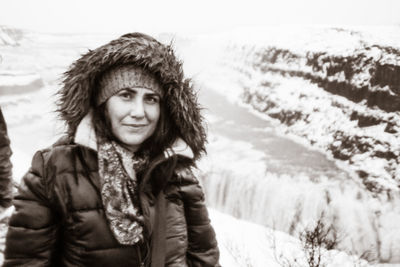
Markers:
point(119, 190)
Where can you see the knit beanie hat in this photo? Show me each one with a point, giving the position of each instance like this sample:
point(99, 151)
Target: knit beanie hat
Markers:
point(125, 76)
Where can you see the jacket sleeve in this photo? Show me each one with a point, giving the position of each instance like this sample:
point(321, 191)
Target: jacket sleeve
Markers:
point(32, 231)
point(5, 166)
point(202, 244)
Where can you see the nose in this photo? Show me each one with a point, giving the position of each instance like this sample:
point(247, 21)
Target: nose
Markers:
point(137, 108)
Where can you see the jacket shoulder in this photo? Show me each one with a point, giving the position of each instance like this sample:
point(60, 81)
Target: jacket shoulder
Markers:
point(45, 161)
point(57, 152)
point(61, 148)
point(60, 157)
point(62, 143)
point(54, 166)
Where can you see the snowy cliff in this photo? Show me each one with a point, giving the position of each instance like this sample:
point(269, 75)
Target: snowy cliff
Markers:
point(333, 90)
point(340, 92)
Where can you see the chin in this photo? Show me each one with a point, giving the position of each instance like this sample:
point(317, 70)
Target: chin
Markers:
point(133, 142)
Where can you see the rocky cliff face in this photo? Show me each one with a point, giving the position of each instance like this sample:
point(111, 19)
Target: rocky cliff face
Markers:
point(346, 103)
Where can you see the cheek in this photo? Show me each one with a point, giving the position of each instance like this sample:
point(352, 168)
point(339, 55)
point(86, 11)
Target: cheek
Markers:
point(112, 114)
point(154, 113)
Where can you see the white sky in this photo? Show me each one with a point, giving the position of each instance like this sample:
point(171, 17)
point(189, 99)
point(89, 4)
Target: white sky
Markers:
point(191, 16)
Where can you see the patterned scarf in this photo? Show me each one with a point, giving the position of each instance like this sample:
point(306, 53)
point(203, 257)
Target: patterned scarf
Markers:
point(119, 190)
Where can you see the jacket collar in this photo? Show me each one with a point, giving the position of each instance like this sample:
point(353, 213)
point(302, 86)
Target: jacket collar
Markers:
point(86, 136)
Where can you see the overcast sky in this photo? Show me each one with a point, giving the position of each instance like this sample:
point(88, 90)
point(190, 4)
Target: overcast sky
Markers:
point(191, 16)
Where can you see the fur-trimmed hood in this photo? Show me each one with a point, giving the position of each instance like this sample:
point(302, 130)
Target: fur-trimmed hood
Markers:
point(76, 97)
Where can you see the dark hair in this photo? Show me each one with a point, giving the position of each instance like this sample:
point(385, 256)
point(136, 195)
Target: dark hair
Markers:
point(163, 137)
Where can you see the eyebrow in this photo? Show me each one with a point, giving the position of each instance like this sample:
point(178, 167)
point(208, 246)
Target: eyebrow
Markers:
point(130, 89)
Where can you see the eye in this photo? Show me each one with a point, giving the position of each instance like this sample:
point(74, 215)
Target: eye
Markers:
point(152, 99)
point(125, 94)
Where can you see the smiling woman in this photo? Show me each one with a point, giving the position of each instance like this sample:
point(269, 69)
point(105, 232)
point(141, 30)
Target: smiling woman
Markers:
point(132, 98)
point(133, 115)
point(118, 189)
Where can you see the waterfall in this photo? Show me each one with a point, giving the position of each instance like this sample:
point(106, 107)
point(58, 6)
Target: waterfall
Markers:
point(236, 180)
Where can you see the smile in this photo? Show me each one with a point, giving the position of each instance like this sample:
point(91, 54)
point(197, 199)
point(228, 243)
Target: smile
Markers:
point(135, 126)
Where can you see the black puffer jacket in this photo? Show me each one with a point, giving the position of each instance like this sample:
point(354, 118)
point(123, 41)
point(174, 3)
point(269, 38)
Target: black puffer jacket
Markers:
point(59, 218)
point(5, 165)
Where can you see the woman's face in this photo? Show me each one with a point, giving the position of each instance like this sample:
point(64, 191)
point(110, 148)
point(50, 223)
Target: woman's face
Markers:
point(134, 114)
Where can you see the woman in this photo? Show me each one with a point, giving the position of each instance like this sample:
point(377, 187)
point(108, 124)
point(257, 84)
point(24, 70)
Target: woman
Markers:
point(5, 166)
point(118, 189)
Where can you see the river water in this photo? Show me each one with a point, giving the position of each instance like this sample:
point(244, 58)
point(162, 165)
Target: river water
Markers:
point(283, 155)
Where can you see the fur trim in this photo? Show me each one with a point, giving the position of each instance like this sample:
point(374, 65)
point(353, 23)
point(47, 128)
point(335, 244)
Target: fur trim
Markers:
point(77, 95)
point(85, 134)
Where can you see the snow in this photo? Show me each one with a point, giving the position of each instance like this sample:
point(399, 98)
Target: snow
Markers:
point(247, 244)
point(323, 114)
point(236, 180)
point(364, 219)
point(21, 79)
point(236, 175)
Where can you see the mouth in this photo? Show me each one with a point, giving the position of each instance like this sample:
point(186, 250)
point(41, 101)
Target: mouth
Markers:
point(135, 126)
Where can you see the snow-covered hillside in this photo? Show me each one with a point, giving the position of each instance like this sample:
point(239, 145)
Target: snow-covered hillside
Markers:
point(332, 89)
point(237, 176)
point(343, 98)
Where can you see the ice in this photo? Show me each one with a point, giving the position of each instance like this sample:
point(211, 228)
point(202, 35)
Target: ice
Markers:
point(238, 176)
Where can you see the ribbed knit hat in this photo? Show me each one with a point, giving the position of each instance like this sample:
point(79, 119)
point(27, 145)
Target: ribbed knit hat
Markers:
point(125, 76)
